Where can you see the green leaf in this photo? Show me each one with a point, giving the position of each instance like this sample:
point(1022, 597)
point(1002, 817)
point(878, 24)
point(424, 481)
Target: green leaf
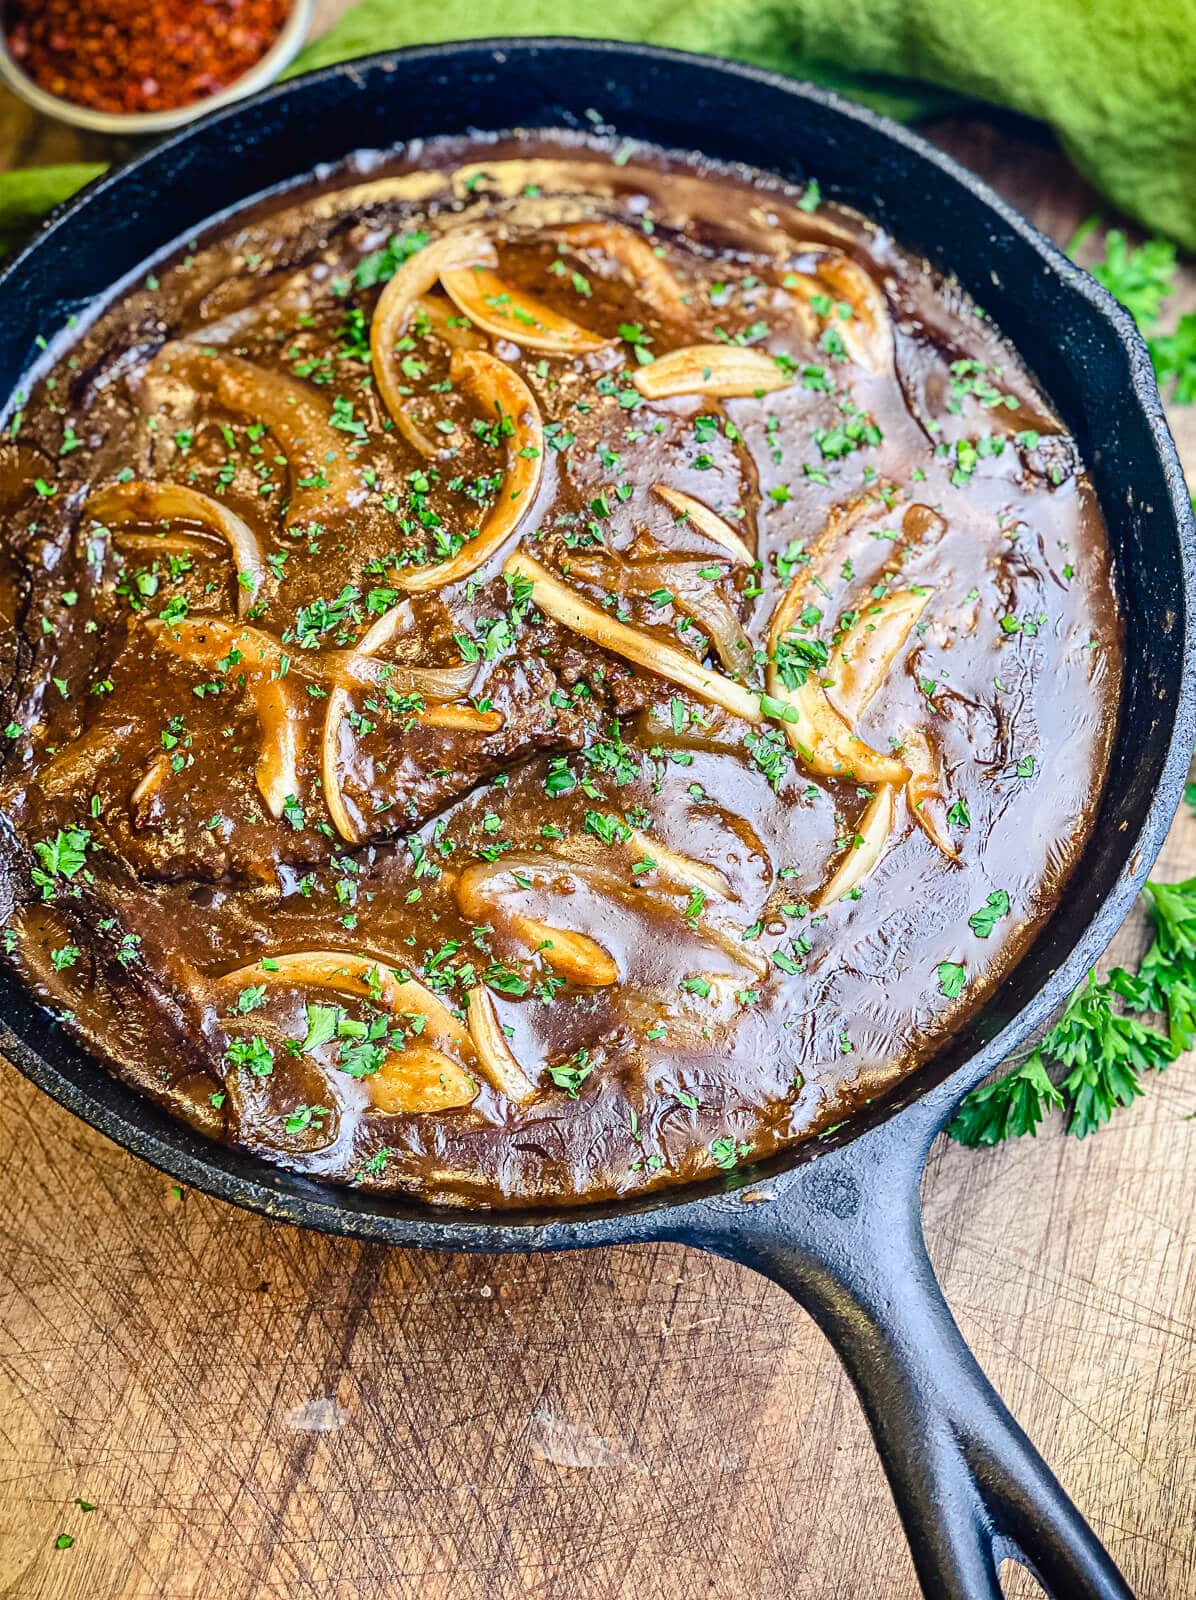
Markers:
point(725, 1153)
point(1107, 1053)
point(1173, 906)
point(573, 1073)
point(1174, 359)
point(27, 193)
point(1013, 1105)
point(255, 1054)
point(1141, 277)
point(61, 857)
point(983, 922)
point(1103, 1046)
point(952, 979)
point(321, 1026)
point(382, 265)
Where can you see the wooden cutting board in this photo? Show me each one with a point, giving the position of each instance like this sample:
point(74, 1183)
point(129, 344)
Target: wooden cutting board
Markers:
point(257, 1413)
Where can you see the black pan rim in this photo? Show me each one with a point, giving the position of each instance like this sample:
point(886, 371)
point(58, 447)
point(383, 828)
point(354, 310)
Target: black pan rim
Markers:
point(245, 1180)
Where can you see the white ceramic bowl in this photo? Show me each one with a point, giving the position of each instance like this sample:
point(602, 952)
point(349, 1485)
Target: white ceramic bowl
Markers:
point(280, 55)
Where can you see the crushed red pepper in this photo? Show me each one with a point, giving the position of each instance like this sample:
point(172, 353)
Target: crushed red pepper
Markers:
point(141, 55)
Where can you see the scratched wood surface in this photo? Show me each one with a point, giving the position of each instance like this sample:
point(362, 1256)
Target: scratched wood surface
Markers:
point(260, 1414)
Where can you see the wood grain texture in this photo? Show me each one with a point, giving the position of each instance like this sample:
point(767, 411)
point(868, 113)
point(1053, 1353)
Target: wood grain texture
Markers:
point(261, 1414)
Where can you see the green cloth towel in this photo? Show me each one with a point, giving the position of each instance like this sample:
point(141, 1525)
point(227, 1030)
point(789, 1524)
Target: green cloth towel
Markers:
point(1116, 79)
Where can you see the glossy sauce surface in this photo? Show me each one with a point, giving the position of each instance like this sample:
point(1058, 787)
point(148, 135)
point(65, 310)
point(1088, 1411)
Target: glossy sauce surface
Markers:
point(541, 672)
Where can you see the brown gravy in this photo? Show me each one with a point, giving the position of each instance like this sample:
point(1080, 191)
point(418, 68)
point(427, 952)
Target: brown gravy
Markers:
point(541, 675)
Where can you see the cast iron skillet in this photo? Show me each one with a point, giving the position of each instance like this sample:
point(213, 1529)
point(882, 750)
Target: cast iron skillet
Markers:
point(837, 1224)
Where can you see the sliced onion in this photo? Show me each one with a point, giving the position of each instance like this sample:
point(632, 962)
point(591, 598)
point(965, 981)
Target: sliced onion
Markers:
point(861, 859)
point(868, 333)
point(512, 179)
point(824, 742)
point(462, 719)
point(208, 640)
point(496, 1059)
point(281, 724)
point(564, 605)
point(732, 945)
point(501, 391)
point(506, 312)
point(150, 782)
point(476, 890)
point(682, 872)
point(439, 683)
point(861, 660)
point(415, 436)
point(354, 669)
point(418, 1080)
point(165, 543)
point(408, 186)
point(706, 521)
point(690, 592)
point(575, 956)
point(714, 369)
point(636, 256)
point(358, 974)
point(925, 791)
point(140, 501)
point(293, 413)
point(443, 321)
point(840, 520)
point(410, 283)
point(820, 737)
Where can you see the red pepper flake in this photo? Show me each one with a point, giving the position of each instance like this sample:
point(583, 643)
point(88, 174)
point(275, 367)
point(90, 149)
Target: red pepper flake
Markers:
point(140, 55)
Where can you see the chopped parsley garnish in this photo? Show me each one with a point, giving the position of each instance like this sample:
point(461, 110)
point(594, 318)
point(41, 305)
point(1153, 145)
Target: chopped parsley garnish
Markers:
point(322, 1022)
point(253, 1054)
point(381, 265)
point(952, 979)
point(983, 922)
point(726, 1153)
point(573, 1073)
point(61, 857)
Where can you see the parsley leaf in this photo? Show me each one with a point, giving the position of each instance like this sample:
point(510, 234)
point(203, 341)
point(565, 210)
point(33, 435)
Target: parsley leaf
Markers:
point(952, 979)
point(725, 1153)
point(571, 1074)
point(1140, 276)
point(382, 264)
point(321, 1026)
point(1174, 358)
point(1013, 1105)
point(254, 1054)
point(983, 922)
point(1102, 1045)
point(61, 857)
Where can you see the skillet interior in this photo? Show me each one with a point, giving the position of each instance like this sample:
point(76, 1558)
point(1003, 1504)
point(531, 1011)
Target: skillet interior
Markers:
point(1085, 353)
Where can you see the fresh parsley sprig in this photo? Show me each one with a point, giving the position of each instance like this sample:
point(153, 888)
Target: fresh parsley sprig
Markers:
point(1099, 1040)
point(1142, 277)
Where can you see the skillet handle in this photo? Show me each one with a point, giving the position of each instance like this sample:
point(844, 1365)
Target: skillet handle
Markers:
point(845, 1239)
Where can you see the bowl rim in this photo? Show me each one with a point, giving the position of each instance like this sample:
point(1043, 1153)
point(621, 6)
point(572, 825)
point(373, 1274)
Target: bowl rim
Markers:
point(174, 1148)
point(290, 40)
